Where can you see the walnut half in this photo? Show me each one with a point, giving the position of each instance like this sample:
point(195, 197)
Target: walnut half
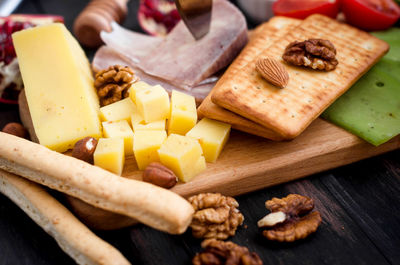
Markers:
point(290, 218)
point(216, 216)
point(220, 252)
point(314, 53)
point(112, 84)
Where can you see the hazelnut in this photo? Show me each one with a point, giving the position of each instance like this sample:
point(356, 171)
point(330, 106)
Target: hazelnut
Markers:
point(159, 175)
point(84, 149)
point(16, 129)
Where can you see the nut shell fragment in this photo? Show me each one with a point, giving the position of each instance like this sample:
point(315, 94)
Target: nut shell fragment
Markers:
point(216, 216)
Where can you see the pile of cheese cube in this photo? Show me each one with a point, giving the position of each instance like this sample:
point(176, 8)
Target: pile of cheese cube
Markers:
point(154, 128)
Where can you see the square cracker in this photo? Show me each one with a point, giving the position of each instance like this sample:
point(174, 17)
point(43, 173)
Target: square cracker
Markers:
point(309, 92)
point(262, 37)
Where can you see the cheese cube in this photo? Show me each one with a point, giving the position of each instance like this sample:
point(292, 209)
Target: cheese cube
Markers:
point(145, 146)
point(153, 103)
point(120, 129)
point(59, 86)
point(183, 113)
point(120, 110)
point(212, 136)
point(157, 125)
point(138, 86)
point(109, 154)
point(136, 118)
point(183, 155)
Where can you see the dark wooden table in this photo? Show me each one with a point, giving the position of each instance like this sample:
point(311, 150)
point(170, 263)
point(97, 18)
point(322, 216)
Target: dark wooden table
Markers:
point(359, 203)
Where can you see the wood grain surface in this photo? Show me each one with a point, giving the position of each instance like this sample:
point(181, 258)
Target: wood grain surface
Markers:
point(359, 204)
point(248, 163)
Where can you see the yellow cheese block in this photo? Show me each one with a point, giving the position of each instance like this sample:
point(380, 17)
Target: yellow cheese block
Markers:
point(212, 136)
point(138, 86)
point(145, 146)
point(120, 110)
point(183, 113)
point(157, 125)
point(183, 155)
point(136, 118)
point(153, 103)
point(109, 154)
point(120, 129)
point(59, 86)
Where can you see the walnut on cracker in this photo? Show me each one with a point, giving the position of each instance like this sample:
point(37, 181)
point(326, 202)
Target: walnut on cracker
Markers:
point(221, 252)
point(290, 218)
point(112, 84)
point(216, 216)
point(314, 53)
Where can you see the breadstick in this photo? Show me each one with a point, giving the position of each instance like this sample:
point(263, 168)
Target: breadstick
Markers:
point(154, 206)
point(72, 236)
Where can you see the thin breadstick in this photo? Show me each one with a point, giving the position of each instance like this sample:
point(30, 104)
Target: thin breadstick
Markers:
point(154, 206)
point(72, 236)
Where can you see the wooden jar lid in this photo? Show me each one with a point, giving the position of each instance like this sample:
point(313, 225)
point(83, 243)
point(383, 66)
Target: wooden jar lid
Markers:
point(97, 16)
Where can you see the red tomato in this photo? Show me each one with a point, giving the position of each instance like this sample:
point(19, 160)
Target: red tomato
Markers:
point(302, 9)
point(371, 14)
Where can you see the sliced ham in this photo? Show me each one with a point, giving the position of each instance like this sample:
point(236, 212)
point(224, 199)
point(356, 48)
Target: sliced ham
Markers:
point(185, 62)
point(132, 44)
point(106, 56)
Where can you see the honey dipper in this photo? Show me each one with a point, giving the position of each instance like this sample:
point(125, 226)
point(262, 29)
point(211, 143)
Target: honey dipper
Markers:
point(97, 16)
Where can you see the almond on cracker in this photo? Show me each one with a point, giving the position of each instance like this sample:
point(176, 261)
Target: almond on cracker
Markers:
point(263, 36)
point(289, 111)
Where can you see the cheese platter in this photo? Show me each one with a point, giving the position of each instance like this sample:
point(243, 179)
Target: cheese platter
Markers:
point(132, 114)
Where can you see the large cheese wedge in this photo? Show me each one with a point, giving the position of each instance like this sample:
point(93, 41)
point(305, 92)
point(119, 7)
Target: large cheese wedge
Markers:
point(212, 136)
point(59, 86)
point(183, 155)
point(183, 113)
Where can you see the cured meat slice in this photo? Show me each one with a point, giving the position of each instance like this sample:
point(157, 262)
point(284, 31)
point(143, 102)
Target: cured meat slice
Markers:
point(106, 56)
point(132, 44)
point(185, 62)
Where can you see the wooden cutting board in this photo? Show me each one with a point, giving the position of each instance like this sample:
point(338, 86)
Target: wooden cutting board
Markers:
point(250, 163)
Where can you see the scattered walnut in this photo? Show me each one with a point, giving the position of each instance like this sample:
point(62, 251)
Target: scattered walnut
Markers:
point(113, 83)
point(16, 129)
point(84, 149)
point(314, 53)
point(219, 252)
point(159, 175)
point(216, 216)
point(298, 222)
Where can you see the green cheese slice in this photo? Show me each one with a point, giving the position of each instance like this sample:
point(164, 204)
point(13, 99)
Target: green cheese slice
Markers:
point(371, 108)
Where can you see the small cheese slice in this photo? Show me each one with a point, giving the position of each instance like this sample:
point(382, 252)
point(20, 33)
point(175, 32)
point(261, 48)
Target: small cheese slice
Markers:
point(110, 155)
point(212, 136)
point(183, 155)
point(120, 110)
point(183, 113)
point(59, 86)
point(145, 146)
point(120, 129)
